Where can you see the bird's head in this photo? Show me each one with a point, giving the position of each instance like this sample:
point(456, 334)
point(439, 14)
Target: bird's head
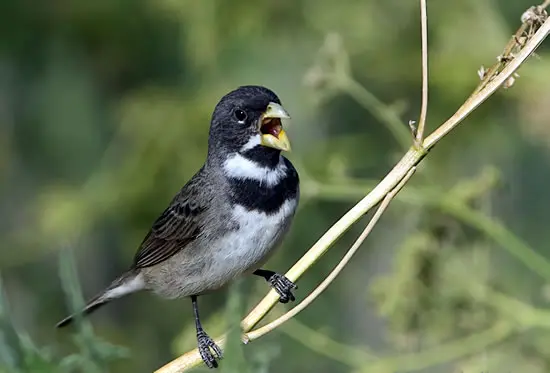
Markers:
point(248, 121)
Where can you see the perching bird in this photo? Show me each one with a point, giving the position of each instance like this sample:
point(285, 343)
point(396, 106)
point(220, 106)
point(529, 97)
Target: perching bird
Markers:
point(227, 220)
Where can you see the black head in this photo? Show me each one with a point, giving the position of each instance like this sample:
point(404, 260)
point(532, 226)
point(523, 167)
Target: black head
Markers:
point(248, 121)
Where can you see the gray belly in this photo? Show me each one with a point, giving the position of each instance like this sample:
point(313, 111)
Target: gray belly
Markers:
point(210, 263)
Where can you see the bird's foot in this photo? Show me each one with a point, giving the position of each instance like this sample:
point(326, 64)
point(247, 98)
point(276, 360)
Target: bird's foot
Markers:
point(206, 346)
point(283, 286)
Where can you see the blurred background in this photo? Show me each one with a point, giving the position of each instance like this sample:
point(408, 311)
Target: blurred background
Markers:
point(104, 115)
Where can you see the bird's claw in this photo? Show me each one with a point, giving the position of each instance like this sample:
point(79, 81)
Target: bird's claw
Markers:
point(206, 346)
point(283, 286)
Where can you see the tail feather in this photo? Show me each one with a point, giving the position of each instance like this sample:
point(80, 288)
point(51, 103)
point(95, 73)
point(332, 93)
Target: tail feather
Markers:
point(90, 307)
point(128, 283)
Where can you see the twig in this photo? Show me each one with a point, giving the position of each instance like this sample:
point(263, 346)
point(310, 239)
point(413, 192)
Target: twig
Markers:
point(328, 280)
point(392, 179)
point(481, 95)
point(424, 108)
point(189, 359)
point(515, 44)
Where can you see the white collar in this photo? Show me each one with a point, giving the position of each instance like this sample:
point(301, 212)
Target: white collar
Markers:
point(240, 167)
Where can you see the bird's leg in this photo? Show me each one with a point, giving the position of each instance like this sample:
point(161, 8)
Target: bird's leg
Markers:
point(205, 343)
point(280, 283)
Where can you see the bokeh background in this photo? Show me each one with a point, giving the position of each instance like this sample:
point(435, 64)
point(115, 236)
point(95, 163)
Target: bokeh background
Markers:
point(104, 114)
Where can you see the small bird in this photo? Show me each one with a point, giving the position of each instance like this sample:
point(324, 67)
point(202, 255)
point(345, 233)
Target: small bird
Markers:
point(229, 217)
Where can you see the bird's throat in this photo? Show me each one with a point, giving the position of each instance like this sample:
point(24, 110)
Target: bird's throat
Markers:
point(263, 156)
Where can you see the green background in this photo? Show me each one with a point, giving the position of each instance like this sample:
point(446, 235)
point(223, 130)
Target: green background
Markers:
point(104, 114)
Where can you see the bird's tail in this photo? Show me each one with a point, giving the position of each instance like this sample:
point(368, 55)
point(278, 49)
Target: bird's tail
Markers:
point(128, 283)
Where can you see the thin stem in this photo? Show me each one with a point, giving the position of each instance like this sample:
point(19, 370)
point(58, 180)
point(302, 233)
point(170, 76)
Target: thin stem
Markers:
point(336, 271)
point(477, 99)
point(409, 160)
point(392, 179)
point(424, 107)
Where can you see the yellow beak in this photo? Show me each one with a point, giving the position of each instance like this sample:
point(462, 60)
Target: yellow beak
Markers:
point(272, 116)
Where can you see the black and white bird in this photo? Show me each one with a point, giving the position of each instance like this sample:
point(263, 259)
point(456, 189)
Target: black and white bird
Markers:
point(227, 220)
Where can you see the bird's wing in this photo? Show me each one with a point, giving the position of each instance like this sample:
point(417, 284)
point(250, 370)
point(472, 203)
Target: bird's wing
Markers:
point(173, 230)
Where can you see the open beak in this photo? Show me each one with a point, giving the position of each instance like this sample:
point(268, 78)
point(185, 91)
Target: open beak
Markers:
point(271, 128)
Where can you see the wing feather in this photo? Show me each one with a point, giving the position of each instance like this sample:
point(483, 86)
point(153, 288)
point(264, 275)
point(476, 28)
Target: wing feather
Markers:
point(175, 228)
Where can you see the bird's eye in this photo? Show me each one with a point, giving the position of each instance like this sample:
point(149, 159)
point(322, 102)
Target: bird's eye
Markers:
point(240, 115)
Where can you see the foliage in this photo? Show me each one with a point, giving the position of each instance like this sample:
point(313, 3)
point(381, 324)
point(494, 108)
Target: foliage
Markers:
point(104, 110)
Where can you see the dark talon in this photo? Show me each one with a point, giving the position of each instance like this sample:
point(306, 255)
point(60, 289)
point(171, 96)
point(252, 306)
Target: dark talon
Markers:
point(283, 286)
point(206, 346)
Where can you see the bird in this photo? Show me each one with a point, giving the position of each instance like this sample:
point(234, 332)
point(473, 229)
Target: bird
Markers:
point(227, 220)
